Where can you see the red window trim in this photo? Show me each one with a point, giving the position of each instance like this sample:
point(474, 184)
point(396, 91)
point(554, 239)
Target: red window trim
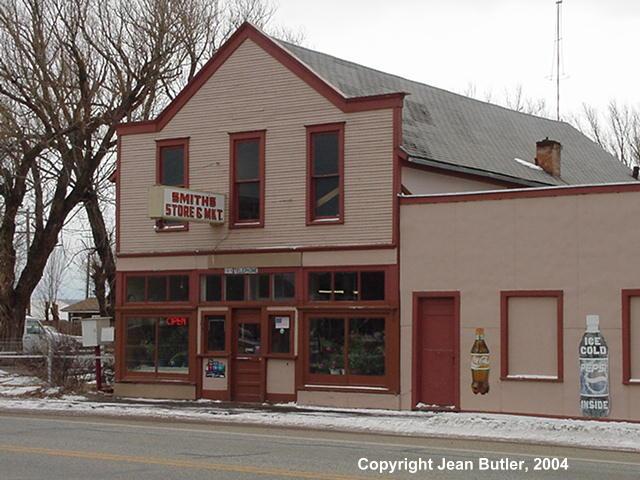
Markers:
point(390, 278)
point(292, 333)
point(146, 275)
point(504, 332)
point(259, 135)
point(325, 128)
point(271, 271)
point(627, 295)
point(205, 333)
point(130, 375)
point(316, 380)
point(172, 142)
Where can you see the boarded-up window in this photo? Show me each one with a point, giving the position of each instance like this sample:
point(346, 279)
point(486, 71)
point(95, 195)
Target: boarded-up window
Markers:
point(531, 336)
point(631, 336)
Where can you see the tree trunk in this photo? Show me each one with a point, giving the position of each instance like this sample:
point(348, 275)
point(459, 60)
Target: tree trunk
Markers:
point(55, 315)
point(107, 260)
point(12, 316)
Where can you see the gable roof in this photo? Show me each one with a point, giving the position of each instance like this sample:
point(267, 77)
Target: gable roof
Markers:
point(439, 128)
point(281, 54)
point(454, 132)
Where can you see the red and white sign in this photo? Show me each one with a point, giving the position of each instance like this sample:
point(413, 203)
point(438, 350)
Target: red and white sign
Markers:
point(174, 203)
point(177, 321)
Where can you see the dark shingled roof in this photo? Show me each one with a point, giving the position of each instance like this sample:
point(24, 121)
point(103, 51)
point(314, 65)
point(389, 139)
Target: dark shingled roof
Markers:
point(452, 131)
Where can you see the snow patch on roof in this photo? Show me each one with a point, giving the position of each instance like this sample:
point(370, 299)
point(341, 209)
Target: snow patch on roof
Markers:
point(528, 164)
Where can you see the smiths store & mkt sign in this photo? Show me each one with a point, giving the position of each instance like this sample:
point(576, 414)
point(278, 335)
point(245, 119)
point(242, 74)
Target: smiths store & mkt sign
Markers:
point(173, 203)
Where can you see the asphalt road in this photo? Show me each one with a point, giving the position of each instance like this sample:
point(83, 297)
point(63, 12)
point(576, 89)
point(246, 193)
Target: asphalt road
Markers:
point(93, 448)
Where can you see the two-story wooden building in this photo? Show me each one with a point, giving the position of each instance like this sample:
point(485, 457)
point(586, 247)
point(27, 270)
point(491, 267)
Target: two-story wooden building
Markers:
point(286, 232)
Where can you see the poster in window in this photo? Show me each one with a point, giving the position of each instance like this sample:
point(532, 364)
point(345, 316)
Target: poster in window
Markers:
point(281, 323)
point(215, 369)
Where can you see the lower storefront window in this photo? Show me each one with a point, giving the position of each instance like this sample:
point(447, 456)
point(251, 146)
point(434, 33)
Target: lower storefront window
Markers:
point(366, 346)
point(346, 348)
point(157, 345)
point(326, 346)
point(141, 344)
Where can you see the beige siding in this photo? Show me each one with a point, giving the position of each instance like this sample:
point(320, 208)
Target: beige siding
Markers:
point(209, 383)
point(155, 390)
point(252, 91)
point(585, 245)
point(423, 182)
point(281, 376)
point(348, 399)
point(260, 260)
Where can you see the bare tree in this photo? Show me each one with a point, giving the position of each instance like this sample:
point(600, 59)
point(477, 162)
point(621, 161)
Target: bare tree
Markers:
point(53, 276)
point(70, 71)
point(515, 99)
point(617, 130)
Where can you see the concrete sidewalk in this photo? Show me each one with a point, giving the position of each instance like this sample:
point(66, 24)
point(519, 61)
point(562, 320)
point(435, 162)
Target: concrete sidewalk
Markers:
point(619, 436)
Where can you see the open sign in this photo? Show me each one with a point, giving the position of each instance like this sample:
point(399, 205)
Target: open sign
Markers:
point(177, 321)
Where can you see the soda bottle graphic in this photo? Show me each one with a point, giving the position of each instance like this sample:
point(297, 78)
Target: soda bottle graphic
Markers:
point(480, 364)
point(594, 371)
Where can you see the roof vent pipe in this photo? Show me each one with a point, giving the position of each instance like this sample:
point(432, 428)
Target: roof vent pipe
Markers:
point(548, 156)
point(636, 171)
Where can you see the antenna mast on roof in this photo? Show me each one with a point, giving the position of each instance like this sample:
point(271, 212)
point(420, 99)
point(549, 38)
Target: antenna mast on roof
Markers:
point(558, 39)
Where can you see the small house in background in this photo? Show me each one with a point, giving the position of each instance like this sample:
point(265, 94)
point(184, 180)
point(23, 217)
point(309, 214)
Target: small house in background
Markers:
point(83, 309)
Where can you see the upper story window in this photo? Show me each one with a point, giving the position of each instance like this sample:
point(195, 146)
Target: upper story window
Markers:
point(172, 170)
point(325, 165)
point(261, 287)
point(247, 179)
point(157, 288)
point(346, 286)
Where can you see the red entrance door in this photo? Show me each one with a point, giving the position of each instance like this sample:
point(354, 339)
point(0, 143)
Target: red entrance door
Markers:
point(436, 365)
point(247, 382)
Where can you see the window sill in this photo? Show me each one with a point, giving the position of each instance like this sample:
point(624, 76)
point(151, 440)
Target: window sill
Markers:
point(531, 378)
point(214, 355)
point(173, 306)
point(259, 224)
point(320, 387)
point(184, 228)
point(325, 221)
point(280, 356)
point(153, 379)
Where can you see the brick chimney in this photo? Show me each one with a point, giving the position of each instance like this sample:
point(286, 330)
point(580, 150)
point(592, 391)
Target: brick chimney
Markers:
point(548, 156)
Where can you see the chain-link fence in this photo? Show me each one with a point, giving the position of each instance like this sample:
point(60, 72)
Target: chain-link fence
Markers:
point(59, 360)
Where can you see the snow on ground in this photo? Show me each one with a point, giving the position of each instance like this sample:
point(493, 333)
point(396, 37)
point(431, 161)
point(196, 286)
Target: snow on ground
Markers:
point(12, 384)
point(513, 428)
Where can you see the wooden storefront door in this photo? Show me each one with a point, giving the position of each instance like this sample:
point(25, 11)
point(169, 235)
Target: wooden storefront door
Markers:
point(248, 376)
point(436, 368)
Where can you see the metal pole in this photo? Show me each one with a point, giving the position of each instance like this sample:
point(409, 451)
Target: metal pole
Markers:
point(98, 369)
point(50, 347)
point(86, 285)
point(558, 3)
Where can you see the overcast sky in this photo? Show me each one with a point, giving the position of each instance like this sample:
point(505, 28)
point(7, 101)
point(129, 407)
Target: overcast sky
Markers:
point(493, 44)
